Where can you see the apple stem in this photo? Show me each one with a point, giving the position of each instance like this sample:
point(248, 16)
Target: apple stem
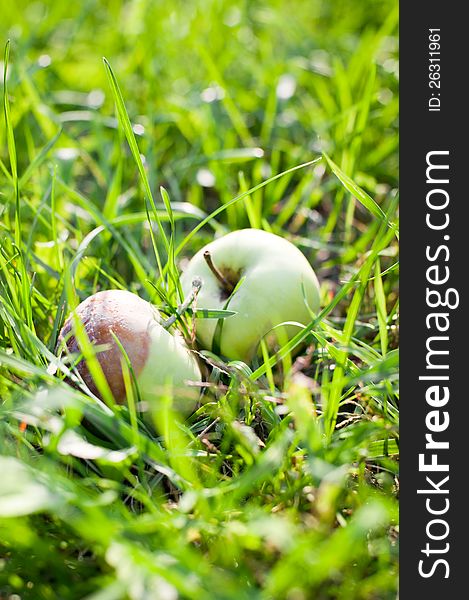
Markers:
point(196, 285)
point(225, 283)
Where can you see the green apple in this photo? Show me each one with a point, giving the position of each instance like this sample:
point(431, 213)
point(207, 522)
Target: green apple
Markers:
point(160, 360)
point(279, 286)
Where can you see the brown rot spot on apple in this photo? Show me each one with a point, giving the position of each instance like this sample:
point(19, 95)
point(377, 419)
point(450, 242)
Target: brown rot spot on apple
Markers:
point(102, 316)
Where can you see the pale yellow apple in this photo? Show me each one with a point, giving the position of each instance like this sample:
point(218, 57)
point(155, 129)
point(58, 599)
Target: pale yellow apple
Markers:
point(280, 285)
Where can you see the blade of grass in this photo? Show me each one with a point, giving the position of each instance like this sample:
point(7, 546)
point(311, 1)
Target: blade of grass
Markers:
point(220, 209)
point(130, 136)
point(380, 300)
point(357, 192)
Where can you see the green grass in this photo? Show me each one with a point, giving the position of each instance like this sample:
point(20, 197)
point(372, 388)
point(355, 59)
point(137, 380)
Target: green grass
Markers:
point(205, 117)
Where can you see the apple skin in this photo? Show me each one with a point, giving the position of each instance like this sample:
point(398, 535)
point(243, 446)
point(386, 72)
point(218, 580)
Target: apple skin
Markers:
point(162, 362)
point(278, 278)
